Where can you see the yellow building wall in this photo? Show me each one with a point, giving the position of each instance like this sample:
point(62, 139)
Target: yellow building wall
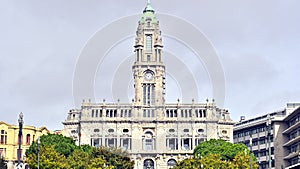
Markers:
point(9, 146)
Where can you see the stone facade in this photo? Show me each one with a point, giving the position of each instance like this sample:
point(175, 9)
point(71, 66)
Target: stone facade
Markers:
point(155, 133)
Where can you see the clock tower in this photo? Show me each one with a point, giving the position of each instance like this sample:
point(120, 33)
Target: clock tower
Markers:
point(156, 134)
point(148, 68)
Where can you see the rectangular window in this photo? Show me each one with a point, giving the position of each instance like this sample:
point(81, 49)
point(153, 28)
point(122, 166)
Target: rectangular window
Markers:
point(148, 42)
point(111, 142)
point(172, 143)
point(148, 94)
point(262, 141)
point(255, 143)
point(198, 141)
point(125, 143)
point(186, 144)
point(3, 137)
point(148, 58)
point(115, 113)
point(100, 113)
point(144, 94)
point(149, 144)
point(2, 152)
point(152, 94)
point(28, 139)
point(96, 142)
point(123, 114)
point(168, 113)
point(159, 54)
point(19, 153)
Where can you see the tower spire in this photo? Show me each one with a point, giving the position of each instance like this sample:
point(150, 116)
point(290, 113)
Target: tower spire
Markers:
point(148, 7)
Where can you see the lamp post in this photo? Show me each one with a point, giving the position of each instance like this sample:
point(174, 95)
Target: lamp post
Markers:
point(299, 157)
point(269, 122)
point(79, 129)
point(39, 142)
point(20, 121)
point(250, 140)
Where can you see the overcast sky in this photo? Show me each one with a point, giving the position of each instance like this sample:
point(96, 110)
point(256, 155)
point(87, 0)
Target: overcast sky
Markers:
point(258, 45)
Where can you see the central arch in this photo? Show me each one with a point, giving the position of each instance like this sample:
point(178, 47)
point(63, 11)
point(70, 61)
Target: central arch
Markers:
point(148, 164)
point(171, 163)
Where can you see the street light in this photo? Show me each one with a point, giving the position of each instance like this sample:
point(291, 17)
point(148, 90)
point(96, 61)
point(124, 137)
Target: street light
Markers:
point(250, 151)
point(20, 121)
point(299, 157)
point(269, 122)
point(39, 142)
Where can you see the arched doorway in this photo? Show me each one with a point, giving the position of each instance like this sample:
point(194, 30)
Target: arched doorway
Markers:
point(171, 163)
point(148, 164)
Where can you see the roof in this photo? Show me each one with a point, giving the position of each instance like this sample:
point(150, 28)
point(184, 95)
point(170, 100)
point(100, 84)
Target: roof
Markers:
point(148, 13)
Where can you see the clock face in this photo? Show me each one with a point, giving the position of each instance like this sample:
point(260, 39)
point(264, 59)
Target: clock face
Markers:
point(148, 75)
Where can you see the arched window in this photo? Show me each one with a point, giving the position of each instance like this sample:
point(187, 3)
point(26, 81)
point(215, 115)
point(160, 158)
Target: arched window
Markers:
point(171, 163)
point(3, 137)
point(148, 141)
point(148, 164)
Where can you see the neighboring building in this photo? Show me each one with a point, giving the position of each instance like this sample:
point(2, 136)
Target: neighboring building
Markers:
point(291, 140)
point(155, 133)
point(9, 141)
point(275, 137)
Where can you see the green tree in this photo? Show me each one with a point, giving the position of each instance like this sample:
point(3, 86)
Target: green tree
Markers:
point(242, 160)
point(49, 159)
point(115, 157)
point(226, 149)
point(57, 151)
point(190, 163)
point(63, 145)
point(2, 163)
point(219, 154)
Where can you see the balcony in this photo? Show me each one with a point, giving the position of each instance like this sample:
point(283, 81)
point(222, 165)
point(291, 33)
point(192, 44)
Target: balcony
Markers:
point(291, 155)
point(292, 141)
point(291, 128)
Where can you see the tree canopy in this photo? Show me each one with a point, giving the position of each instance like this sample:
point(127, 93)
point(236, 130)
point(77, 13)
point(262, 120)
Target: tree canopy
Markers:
point(219, 154)
point(226, 149)
point(2, 163)
point(57, 151)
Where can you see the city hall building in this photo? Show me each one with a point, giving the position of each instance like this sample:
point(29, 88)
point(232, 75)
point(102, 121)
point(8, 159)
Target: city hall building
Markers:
point(156, 134)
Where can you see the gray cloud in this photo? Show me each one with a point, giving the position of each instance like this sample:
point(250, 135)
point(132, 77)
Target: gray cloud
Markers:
point(257, 41)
